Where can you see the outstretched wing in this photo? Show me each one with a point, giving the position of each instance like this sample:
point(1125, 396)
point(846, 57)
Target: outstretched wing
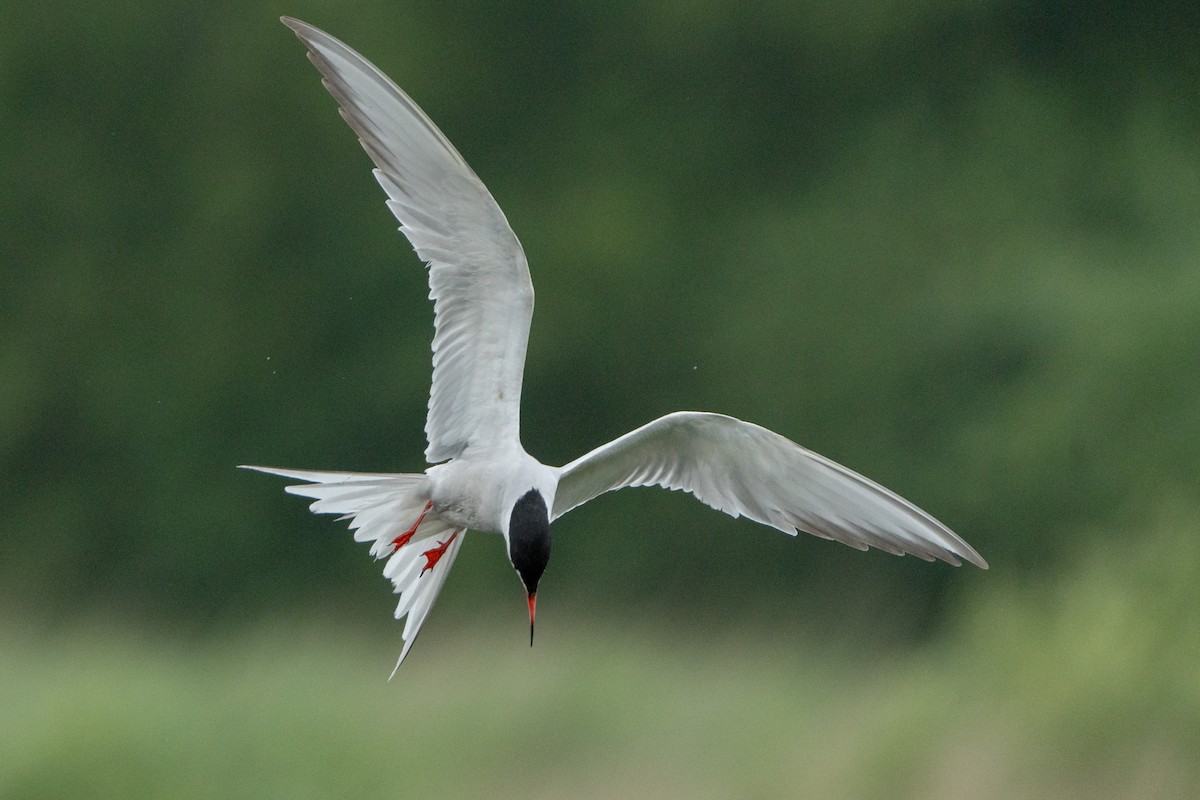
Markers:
point(391, 511)
point(746, 470)
point(478, 276)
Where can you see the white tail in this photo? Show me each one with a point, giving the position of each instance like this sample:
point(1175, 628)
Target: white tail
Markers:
point(393, 512)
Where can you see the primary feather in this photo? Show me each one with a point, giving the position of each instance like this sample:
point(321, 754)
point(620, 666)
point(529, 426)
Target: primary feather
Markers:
point(478, 276)
point(746, 470)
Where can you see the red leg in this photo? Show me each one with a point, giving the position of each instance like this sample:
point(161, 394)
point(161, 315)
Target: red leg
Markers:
point(435, 554)
point(403, 538)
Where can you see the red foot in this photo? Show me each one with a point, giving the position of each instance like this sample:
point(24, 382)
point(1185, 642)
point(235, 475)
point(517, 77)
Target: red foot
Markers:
point(435, 555)
point(403, 538)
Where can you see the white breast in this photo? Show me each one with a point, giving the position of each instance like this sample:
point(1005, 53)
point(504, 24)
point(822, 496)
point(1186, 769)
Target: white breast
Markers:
point(479, 493)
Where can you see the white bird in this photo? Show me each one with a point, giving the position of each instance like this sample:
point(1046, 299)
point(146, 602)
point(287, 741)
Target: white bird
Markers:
point(482, 478)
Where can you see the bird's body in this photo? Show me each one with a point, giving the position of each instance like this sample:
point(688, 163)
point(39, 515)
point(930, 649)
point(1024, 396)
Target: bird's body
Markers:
point(476, 494)
point(482, 479)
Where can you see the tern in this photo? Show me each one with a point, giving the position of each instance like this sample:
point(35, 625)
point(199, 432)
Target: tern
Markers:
point(482, 479)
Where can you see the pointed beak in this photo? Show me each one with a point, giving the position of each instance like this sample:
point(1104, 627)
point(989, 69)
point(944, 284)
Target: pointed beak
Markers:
point(532, 613)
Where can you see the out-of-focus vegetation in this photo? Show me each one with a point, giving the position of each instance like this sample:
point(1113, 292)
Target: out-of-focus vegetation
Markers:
point(1053, 691)
point(952, 245)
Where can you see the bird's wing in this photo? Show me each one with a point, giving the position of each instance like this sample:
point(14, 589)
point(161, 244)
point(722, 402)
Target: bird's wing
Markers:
point(391, 512)
point(746, 470)
point(478, 276)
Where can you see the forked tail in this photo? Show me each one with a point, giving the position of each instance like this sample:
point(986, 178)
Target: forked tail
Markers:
point(394, 513)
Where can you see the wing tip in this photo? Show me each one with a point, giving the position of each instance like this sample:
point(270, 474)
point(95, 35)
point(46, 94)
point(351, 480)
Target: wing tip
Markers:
point(257, 468)
point(960, 550)
point(295, 24)
point(956, 555)
point(974, 558)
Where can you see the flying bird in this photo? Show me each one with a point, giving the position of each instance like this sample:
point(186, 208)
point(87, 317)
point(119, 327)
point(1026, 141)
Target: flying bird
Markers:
point(482, 479)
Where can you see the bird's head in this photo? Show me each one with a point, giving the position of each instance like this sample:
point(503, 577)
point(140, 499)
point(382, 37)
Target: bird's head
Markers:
point(529, 544)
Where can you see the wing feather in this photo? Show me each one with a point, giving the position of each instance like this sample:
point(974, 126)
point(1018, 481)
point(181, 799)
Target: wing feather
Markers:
point(746, 470)
point(478, 275)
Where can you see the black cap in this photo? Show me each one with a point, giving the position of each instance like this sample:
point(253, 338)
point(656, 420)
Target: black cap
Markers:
point(529, 538)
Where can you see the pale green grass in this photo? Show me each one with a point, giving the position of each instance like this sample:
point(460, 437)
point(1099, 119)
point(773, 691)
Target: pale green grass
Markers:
point(1086, 688)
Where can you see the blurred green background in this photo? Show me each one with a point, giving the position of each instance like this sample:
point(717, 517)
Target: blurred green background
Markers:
point(953, 245)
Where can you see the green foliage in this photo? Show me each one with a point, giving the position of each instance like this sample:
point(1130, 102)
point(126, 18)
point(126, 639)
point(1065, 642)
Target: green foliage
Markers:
point(951, 245)
point(1039, 690)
